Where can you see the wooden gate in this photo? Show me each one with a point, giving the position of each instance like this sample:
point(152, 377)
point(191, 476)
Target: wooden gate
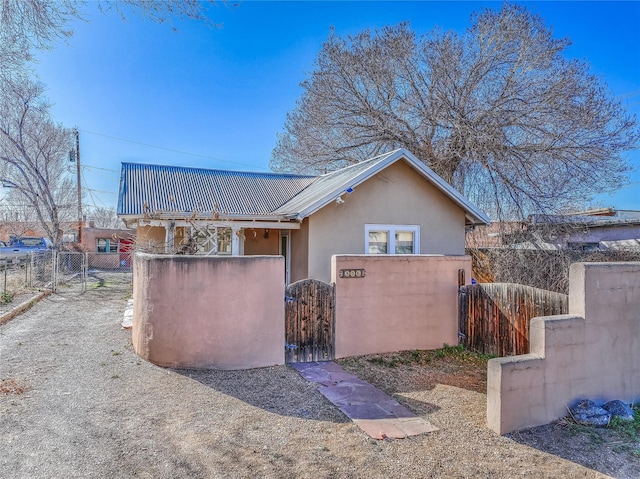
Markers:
point(309, 322)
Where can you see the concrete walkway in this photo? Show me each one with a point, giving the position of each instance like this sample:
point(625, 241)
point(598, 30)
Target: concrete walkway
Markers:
point(375, 412)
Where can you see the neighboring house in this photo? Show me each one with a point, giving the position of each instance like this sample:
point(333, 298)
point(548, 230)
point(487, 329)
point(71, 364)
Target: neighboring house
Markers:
point(22, 228)
point(390, 204)
point(108, 248)
point(591, 230)
point(9, 229)
point(495, 235)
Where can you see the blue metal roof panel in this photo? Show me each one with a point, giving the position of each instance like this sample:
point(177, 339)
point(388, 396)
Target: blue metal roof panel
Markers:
point(173, 189)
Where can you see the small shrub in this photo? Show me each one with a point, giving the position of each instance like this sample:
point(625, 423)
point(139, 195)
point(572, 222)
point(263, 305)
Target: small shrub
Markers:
point(629, 429)
point(6, 297)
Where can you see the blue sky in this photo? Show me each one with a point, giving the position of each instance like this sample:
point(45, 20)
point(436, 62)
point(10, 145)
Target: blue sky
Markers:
point(217, 97)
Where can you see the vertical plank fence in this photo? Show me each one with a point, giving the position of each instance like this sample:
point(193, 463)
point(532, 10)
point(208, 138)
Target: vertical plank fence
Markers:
point(494, 317)
point(309, 322)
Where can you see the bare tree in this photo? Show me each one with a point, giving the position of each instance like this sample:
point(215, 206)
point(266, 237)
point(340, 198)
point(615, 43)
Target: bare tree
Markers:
point(34, 152)
point(498, 112)
point(28, 25)
point(105, 217)
point(32, 146)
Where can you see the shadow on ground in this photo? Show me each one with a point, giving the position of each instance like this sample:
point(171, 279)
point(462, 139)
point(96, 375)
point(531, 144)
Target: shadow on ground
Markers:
point(601, 449)
point(276, 389)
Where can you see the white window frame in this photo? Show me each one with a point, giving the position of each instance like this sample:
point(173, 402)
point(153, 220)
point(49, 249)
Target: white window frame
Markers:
point(108, 243)
point(391, 236)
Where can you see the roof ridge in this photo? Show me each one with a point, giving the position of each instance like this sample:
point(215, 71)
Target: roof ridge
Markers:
point(217, 171)
point(360, 163)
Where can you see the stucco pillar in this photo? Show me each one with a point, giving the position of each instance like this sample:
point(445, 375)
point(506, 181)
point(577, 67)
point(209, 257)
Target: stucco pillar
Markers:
point(169, 237)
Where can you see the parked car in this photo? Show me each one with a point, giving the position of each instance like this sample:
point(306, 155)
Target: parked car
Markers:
point(20, 248)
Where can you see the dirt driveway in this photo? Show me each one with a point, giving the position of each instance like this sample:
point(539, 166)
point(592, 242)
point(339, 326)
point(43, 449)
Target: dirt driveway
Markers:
point(92, 408)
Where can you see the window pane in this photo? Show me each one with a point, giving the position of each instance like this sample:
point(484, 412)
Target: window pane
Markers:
point(101, 245)
point(224, 240)
point(404, 242)
point(113, 246)
point(378, 241)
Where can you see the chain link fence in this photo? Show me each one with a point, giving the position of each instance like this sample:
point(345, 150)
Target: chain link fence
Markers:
point(13, 279)
point(68, 272)
point(111, 268)
point(40, 270)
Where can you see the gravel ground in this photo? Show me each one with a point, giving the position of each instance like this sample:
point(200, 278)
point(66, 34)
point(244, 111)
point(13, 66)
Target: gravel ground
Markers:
point(84, 405)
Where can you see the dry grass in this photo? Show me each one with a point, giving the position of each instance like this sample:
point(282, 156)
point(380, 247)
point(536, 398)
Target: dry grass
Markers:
point(9, 387)
point(411, 375)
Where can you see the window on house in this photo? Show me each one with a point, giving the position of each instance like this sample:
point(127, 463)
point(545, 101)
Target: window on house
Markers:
point(213, 236)
point(224, 240)
point(584, 246)
point(392, 239)
point(106, 245)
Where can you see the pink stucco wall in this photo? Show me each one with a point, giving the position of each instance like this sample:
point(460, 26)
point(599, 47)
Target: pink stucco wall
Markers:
point(222, 312)
point(403, 302)
point(591, 353)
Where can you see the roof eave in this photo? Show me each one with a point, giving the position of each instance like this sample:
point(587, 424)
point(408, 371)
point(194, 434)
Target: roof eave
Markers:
point(207, 217)
point(475, 215)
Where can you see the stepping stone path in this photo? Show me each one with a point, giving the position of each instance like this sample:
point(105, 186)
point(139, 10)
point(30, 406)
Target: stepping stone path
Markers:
point(375, 412)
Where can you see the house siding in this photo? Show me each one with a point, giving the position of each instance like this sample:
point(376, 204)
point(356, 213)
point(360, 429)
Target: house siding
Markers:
point(259, 245)
point(151, 238)
point(397, 195)
point(299, 268)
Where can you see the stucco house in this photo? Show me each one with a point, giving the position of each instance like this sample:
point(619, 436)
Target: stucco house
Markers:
point(602, 229)
point(390, 204)
point(108, 247)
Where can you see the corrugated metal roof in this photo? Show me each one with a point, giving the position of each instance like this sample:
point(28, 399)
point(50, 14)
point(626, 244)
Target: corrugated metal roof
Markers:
point(149, 189)
point(174, 189)
point(330, 184)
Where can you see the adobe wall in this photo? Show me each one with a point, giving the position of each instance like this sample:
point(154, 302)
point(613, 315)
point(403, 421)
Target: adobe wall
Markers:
point(591, 353)
point(222, 312)
point(403, 302)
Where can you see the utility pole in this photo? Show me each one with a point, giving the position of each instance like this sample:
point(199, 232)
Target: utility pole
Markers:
point(80, 222)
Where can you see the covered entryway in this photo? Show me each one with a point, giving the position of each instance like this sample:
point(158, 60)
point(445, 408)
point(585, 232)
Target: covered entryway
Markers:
point(309, 322)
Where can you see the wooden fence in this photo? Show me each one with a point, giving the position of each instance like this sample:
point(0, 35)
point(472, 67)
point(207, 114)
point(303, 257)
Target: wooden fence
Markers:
point(494, 317)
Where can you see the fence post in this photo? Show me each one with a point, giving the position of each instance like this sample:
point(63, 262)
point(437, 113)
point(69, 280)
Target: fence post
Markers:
point(84, 270)
point(31, 276)
point(462, 322)
point(462, 316)
point(54, 270)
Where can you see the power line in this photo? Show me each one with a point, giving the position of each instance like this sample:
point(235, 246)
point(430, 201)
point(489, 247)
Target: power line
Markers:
point(175, 151)
point(629, 94)
point(99, 168)
point(101, 191)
